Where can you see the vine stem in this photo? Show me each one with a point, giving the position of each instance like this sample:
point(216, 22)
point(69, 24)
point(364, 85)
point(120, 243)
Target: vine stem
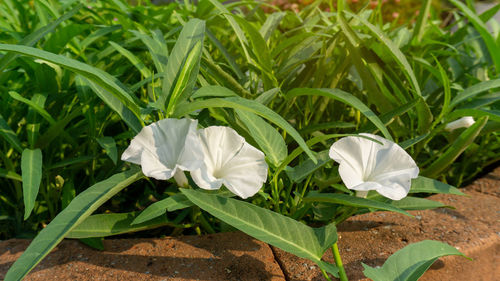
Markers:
point(325, 274)
point(338, 262)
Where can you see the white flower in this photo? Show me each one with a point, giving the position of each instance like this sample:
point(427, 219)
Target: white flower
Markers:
point(165, 148)
point(231, 161)
point(367, 165)
point(464, 122)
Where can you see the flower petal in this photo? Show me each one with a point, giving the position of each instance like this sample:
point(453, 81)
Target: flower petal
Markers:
point(246, 172)
point(353, 155)
point(395, 188)
point(229, 160)
point(164, 146)
point(366, 186)
point(464, 122)
point(205, 180)
point(153, 168)
point(368, 165)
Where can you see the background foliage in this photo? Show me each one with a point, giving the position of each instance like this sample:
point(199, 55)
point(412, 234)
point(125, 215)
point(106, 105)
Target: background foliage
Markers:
point(88, 77)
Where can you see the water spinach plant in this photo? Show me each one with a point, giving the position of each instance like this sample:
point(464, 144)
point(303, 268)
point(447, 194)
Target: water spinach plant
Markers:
point(166, 117)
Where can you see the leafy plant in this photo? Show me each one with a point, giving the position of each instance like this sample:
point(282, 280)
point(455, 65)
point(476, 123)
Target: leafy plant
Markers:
point(80, 82)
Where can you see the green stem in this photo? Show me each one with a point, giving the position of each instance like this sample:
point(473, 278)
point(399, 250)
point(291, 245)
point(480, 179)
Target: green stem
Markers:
point(325, 274)
point(338, 262)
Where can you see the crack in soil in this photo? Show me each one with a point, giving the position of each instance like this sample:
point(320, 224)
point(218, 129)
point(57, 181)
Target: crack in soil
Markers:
point(282, 267)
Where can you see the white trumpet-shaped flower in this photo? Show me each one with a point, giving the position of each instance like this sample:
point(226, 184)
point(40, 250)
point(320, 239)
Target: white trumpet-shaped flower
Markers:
point(367, 165)
point(464, 122)
point(165, 148)
point(229, 160)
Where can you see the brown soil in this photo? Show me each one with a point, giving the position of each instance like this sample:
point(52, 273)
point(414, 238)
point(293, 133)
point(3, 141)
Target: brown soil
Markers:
point(226, 256)
point(473, 227)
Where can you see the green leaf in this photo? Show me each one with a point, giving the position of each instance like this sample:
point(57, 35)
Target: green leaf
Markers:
point(493, 115)
point(260, 50)
point(259, 45)
point(348, 200)
point(95, 243)
point(157, 48)
point(34, 106)
point(266, 97)
point(32, 120)
point(183, 64)
point(427, 185)
point(34, 37)
point(116, 105)
point(8, 134)
point(416, 203)
point(103, 225)
point(237, 29)
point(268, 226)
point(465, 139)
point(136, 62)
point(268, 139)
point(346, 98)
point(109, 146)
point(420, 26)
point(475, 90)
point(304, 169)
point(409, 263)
point(31, 168)
point(10, 175)
point(411, 142)
point(186, 78)
point(99, 33)
point(77, 211)
point(481, 27)
point(175, 202)
point(57, 129)
point(424, 113)
point(244, 104)
point(229, 58)
point(97, 76)
point(58, 40)
point(270, 25)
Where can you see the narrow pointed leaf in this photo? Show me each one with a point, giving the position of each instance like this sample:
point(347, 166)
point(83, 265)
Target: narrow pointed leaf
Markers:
point(95, 75)
point(420, 27)
point(475, 90)
point(109, 146)
point(347, 200)
point(459, 145)
point(482, 29)
point(244, 104)
point(9, 135)
point(424, 113)
point(300, 172)
point(175, 202)
point(186, 78)
point(346, 98)
point(268, 139)
point(416, 203)
point(103, 225)
point(267, 226)
point(34, 37)
point(10, 175)
point(136, 62)
point(31, 168)
point(77, 211)
point(427, 185)
point(116, 105)
point(192, 34)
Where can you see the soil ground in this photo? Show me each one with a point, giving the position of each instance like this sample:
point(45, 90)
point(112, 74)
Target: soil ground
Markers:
point(473, 227)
